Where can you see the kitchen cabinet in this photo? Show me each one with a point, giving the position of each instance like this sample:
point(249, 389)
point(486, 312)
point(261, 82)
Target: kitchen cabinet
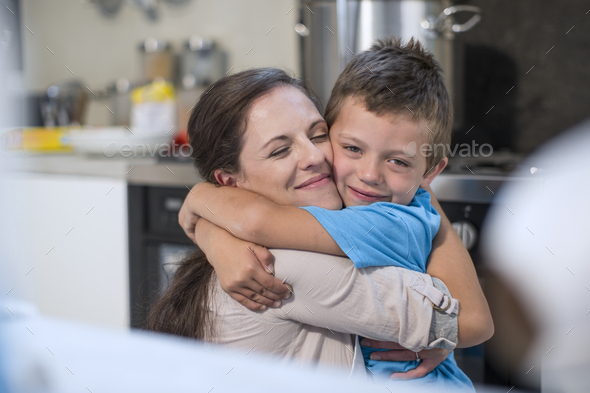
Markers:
point(72, 235)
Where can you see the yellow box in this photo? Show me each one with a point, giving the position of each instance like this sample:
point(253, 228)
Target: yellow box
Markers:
point(45, 139)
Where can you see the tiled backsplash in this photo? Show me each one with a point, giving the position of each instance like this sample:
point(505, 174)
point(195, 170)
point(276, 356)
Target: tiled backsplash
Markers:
point(542, 48)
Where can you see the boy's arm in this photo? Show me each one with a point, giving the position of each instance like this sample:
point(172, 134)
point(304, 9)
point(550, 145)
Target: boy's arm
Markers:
point(450, 261)
point(256, 219)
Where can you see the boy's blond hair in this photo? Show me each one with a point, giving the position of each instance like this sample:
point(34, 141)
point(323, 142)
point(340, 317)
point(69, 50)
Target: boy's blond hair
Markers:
point(393, 78)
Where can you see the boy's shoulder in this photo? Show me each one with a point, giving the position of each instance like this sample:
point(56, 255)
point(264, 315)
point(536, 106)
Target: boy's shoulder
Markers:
point(421, 198)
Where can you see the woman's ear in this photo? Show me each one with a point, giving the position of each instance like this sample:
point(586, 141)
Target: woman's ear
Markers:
point(438, 168)
point(225, 179)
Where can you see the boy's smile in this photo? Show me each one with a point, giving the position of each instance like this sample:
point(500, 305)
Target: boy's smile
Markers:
point(377, 158)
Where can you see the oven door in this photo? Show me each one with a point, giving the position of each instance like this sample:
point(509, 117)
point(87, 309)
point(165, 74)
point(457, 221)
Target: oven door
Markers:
point(156, 244)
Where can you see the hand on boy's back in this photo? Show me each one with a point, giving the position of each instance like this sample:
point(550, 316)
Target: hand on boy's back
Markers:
point(429, 358)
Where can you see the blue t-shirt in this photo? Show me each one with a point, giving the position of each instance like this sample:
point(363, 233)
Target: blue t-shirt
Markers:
point(389, 234)
point(384, 233)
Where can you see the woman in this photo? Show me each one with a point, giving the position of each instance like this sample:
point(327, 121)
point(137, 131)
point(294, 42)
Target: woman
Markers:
point(229, 131)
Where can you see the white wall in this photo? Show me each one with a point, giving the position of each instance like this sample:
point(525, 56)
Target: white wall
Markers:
point(100, 50)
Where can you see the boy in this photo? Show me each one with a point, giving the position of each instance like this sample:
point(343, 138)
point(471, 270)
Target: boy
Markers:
point(388, 112)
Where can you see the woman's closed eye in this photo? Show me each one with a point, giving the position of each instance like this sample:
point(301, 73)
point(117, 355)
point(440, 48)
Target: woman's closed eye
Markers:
point(280, 152)
point(321, 138)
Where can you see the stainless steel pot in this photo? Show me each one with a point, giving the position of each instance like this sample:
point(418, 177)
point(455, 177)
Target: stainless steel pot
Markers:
point(333, 31)
point(201, 63)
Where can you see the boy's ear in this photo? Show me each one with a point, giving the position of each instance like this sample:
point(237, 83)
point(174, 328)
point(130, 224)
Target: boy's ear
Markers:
point(225, 179)
point(438, 168)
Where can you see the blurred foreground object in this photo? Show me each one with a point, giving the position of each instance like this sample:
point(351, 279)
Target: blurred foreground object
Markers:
point(537, 246)
point(49, 355)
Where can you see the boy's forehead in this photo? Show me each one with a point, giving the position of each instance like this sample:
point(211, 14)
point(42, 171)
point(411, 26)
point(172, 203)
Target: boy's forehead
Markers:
point(353, 106)
point(387, 134)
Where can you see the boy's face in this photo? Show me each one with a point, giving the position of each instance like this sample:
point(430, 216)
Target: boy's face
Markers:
point(377, 158)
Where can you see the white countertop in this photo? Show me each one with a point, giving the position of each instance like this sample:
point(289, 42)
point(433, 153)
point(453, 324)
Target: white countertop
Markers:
point(141, 171)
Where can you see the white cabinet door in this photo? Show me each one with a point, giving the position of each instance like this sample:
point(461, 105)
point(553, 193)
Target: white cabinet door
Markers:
point(68, 235)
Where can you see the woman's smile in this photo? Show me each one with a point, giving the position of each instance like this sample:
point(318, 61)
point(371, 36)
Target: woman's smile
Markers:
point(315, 182)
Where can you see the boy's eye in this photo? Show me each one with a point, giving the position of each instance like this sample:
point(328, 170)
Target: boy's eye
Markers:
point(353, 149)
point(398, 162)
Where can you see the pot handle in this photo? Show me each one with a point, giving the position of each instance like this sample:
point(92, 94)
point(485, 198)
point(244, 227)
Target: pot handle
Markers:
point(463, 27)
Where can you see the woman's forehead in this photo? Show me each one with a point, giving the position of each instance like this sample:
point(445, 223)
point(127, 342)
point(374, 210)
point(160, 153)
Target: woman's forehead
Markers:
point(284, 109)
point(287, 98)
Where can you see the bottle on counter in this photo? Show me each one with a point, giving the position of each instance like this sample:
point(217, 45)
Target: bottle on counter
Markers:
point(153, 108)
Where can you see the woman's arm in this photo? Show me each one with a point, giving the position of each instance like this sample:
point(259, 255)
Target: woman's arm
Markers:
point(256, 219)
point(382, 303)
point(450, 261)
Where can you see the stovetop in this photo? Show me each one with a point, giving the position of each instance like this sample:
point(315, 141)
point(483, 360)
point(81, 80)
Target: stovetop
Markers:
point(479, 179)
point(497, 164)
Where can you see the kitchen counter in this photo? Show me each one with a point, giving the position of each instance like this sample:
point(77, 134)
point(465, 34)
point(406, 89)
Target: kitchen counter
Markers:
point(139, 171)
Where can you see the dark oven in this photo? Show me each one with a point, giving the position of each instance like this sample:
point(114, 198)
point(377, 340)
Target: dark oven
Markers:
point(156, 242)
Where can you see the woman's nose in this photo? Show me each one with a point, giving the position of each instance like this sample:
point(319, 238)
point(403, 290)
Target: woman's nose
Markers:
point(312, 156)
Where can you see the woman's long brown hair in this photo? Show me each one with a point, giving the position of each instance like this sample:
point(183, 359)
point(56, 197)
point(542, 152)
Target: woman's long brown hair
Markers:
point(216, 134)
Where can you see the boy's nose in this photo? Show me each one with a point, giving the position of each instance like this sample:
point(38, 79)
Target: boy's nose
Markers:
point(370, 174)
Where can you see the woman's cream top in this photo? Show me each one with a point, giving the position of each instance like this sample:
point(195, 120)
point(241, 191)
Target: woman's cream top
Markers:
point(332, 302)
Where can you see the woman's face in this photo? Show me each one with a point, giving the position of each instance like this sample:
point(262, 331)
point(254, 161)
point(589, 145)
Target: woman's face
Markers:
point(287, 154)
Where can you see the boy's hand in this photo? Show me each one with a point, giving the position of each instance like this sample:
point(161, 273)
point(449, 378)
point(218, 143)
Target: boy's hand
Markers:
point(430, 358)
point(244, 271)
point(188, 218)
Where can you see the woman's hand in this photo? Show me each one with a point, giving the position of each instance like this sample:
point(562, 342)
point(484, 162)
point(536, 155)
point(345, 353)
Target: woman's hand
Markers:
point(244, 269)
point(430, 358)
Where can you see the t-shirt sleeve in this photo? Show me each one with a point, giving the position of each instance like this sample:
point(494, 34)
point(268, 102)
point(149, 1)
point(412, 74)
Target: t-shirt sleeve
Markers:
point(384, 234)
point(368, 235)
